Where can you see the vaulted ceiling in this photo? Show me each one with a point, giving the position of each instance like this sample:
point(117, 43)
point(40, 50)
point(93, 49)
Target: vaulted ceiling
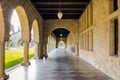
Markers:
point(61, 32)
point(71, 9)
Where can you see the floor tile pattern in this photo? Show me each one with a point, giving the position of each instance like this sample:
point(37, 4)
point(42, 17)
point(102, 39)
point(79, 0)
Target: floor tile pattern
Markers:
point(60, 65)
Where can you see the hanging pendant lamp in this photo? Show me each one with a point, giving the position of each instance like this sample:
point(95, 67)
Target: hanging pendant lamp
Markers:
point(59, 14)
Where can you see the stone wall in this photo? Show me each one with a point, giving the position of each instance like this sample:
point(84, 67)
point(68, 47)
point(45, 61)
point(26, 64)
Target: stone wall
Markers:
point(51, 45)
point(96, 40)
point(71, 43)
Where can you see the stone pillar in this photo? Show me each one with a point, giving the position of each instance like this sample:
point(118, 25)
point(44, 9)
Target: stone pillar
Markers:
point(45, 49)
point(77, 49)
point(3, 76)
point(40, 50)
point(77, 45)
point(26, 54)
point(36, 51)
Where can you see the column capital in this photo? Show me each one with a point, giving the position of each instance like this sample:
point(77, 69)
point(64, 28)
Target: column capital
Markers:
point(34, 42)
point(26, 41)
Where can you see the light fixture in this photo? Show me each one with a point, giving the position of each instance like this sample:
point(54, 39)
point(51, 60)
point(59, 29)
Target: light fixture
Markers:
point(59, 14)
point(61, 35)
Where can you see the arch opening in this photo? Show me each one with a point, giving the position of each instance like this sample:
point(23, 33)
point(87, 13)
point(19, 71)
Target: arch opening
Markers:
point(35, 31)
point(61, 44)
point(61, 37)
point(25, 34)
point(35, 38)
point(15, 30)
point(19, 34)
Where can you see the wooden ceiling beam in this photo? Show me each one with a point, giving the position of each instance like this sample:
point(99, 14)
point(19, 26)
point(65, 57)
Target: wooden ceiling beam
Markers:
point(60, 3)
point(63, 13)
point(61, 8)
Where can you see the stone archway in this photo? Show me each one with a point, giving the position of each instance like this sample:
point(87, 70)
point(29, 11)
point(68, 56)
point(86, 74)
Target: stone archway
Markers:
point(35, 30)
point(71, 35)
point(61, 44)
point(69, 24)
point(24, 23)
point(36, 37)
point(25, 33)
point(63, 28)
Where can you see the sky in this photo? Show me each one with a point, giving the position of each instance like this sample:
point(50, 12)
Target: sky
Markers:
point(15, 20)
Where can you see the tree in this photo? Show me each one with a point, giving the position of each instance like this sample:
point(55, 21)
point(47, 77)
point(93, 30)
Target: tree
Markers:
point(11, 29)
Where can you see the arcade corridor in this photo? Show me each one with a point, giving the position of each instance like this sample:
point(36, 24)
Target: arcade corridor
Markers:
point(60, 65)
point(88, 28)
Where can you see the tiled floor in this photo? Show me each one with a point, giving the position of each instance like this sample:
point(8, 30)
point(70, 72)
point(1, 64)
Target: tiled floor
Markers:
point(59, 66)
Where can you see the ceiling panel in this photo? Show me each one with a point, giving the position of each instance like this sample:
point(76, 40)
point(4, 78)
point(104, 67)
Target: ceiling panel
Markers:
point(60, 31)
point(71, 9)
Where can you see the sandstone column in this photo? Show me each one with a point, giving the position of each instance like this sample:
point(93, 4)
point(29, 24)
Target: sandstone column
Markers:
point(36, 51)
point(3, 76)
point(77, 49)
point(40, 50)
point(26, 54)
point(45, 49)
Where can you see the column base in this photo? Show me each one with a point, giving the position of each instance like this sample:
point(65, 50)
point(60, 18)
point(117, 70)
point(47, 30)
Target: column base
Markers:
point(36, 57)
point(40, 57)
point(25, 64)
point(45, 56)
point(4, 77)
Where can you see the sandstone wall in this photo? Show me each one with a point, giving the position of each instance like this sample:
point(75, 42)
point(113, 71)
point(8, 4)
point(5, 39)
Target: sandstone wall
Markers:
point(96, 39)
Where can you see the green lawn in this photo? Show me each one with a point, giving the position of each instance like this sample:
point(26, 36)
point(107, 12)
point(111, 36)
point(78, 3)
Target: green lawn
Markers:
point(15, 56)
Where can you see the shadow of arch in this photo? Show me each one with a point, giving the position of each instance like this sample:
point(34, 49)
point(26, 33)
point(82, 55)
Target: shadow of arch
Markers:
point(20, 41)
point(24, 23)
point(2, 26)
point(35, 30)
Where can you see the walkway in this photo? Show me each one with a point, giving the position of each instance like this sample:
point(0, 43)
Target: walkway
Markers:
point(59, 66)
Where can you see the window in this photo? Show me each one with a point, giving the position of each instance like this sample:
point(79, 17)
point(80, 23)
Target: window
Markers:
point(113, 5)
point(116, 36)
point(113, 37)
